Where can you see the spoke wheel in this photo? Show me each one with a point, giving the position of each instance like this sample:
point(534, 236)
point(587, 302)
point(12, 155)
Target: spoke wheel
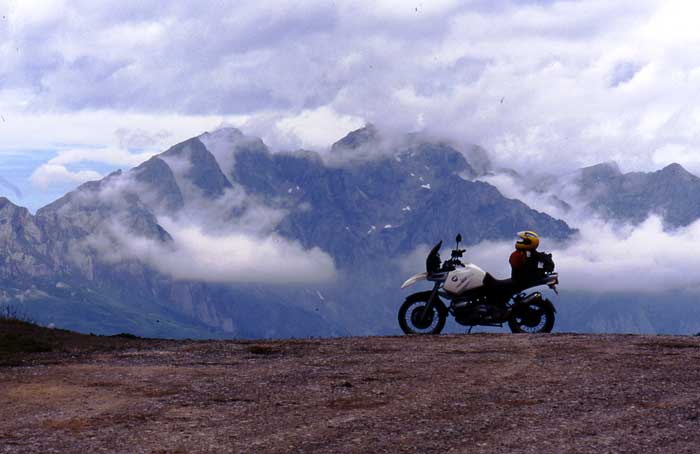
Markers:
point(413, 318)
point(536, 317)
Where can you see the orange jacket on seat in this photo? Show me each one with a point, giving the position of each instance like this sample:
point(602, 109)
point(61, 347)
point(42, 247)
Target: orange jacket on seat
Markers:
point(524, 265)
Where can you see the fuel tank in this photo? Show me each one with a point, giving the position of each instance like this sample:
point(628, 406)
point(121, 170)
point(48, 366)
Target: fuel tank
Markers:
point(464, 278)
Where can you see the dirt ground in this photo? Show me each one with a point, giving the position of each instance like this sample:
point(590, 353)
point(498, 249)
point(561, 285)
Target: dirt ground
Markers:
point(459, 393)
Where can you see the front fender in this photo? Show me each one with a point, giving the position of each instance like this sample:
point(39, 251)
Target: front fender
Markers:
point(425, 296)
point(413, 279)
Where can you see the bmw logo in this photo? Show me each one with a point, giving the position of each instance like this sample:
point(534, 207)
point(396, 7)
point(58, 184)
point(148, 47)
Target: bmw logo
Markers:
point(455, 278)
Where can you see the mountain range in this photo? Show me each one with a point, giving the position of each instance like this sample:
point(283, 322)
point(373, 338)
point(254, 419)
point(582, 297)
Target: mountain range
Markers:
point(220, 237)
point(631, 197)
point(604, 191)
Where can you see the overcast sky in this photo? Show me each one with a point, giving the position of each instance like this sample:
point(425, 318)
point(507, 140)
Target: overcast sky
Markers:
point(89, 86)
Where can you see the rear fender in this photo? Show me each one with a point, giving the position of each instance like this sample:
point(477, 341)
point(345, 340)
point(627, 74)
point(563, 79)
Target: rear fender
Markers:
point(532, 297)
point(425, 296)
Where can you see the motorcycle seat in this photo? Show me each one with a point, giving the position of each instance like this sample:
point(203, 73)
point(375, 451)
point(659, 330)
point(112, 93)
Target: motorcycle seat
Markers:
point(490, 281)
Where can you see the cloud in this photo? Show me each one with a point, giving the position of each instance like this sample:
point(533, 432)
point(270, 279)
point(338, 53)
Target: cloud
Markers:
point(683, 154)
point(52, 174)
point(238, 257)
point(443, 65)
point(644, 258)
point(535, 191)
point(225, 258)
point(140, 138)
point(11, 187)
point(55, 171)
point(229, 239)
point(30, 131)
point(550, 85)
point(114, 156)
point(316, 128)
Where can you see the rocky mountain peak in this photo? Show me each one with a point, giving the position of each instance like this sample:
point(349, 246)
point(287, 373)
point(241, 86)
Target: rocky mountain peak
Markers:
point(225, 143)
point(366, 135)
point(632, 197)
point(163, 191)
point(226, 131)
point(13, 214)
point(602, 171)
point(5, 203)
point(676, 170)
point(193, 164)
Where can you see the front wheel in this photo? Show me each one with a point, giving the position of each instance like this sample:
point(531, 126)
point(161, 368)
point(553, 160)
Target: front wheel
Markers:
point(535, 317)
point(413, 320)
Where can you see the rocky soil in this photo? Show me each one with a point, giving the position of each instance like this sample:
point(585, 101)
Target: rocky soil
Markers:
point(458, 393)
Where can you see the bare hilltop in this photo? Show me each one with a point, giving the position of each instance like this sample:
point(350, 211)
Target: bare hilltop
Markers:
point(63, 392)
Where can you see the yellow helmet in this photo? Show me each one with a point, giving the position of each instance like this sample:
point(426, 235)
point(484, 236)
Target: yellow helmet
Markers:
point(528, 241)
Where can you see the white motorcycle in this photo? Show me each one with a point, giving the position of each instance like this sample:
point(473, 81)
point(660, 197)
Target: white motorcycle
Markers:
point(475, 298)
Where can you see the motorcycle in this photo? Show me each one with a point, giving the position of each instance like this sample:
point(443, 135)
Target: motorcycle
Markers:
point(475, 298)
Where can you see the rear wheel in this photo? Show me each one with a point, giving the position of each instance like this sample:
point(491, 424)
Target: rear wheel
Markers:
point(413, 318)
point(535, 317)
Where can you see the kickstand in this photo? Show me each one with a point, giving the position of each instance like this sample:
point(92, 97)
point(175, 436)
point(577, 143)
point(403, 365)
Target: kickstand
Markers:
point(469, 331)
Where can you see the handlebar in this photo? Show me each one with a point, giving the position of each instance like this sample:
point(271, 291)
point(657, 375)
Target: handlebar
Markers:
point(458, 252)
point(451, 264)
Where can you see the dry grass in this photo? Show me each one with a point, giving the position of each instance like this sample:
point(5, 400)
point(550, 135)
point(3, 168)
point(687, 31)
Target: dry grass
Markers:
point(22, 341)
point(15, 337)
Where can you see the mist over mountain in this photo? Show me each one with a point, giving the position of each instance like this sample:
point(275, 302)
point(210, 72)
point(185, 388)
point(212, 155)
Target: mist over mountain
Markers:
point(671, 192)
point(605, 192)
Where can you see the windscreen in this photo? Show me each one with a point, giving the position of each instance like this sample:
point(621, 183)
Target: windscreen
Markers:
point(432, 263)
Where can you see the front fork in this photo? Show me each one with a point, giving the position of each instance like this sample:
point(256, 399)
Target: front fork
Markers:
point(430, 304)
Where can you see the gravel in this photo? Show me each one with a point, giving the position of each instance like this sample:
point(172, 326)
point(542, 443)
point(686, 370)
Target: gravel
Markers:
point(474, 393)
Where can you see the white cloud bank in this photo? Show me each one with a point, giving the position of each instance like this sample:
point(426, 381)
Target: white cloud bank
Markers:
point(109, 155)
point(52, 174)
point(235, 257)
point(56, 171)
point(644, 258)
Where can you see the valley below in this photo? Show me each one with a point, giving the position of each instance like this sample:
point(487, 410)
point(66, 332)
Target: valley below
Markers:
point(450, 393)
